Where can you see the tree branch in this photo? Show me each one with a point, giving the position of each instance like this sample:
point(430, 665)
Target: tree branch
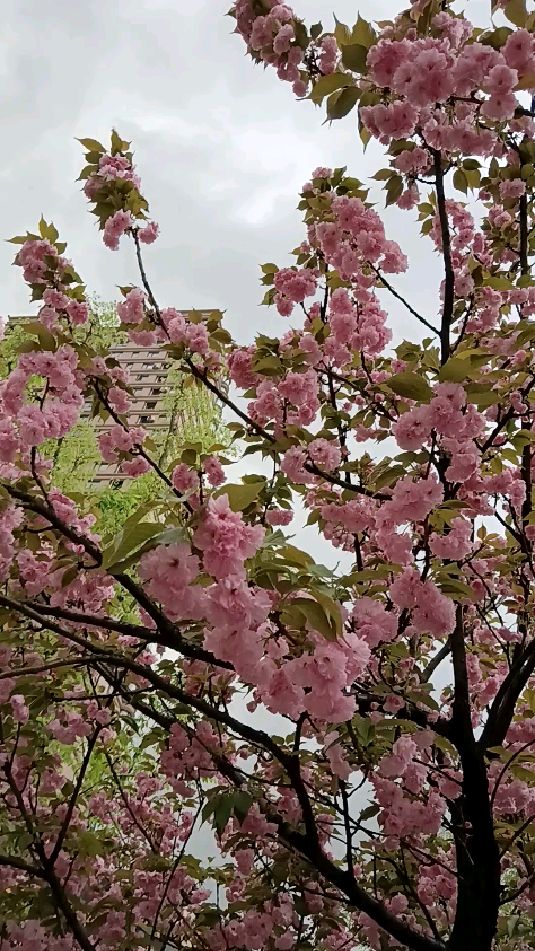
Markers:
point(10, 861)
point(449, 284)
point(478, 860)
point(402, 300)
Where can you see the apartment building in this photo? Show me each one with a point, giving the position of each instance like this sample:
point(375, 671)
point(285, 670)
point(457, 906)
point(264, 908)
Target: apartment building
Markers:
point(152, 388)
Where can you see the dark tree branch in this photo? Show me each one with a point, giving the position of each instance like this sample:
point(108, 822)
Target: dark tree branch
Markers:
point(405, 303)
point(91, 743)
point(478, 860)
point(131, 630)
point(449, 282)
point(436, 661)
point(38, 851)
point(10, 861)
point(504, 704)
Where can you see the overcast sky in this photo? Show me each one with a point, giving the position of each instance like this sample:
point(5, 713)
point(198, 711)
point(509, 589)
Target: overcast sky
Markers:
point(221, 145)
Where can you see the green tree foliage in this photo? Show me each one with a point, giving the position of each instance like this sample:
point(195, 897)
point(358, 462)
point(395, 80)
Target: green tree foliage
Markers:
point(194, 423)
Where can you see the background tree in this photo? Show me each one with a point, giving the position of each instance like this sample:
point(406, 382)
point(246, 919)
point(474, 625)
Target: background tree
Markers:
point(396, 807)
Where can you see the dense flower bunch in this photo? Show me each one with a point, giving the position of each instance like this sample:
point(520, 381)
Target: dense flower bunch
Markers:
point(397, 806)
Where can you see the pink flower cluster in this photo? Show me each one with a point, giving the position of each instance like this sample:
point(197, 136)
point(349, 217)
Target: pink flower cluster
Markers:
point(168, 572)
point(294, 398)
point(132, 309)
point(111, 167)
point(28, 424)
point(325, 454)
point(225, 540)
point(149, 233)
point(236, 613)
point(118, 440)
point(355, 236)
point(457, 544)
point(431, 611)
point(373, 622)
point(10, 518)
point(36, 257)
point(272, 39)
point(397, 120)
point(240, 366)
point(116, 225)
point(428, 72)
point(318, 681)
point(293, 285)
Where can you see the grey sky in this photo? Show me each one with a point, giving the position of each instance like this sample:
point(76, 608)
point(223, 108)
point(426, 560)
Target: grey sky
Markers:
point(221, 145)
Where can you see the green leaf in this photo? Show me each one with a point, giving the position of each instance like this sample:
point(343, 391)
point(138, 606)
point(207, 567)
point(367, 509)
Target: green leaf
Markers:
point(242, 495)
point(18, 239)
point(342, 33)
point(93, 158)
point(393, 188)
point(341, 103)
point(223, 812)
point(388, 477)
point(365, 134)
point(354, 57)
point(92, 145)
point(331, 608)
point(363, 33)
point(69, 575)
point(118, 144)
point(515, 11)
point(460, 180)
point(130, 541)
point(189, 457)
point(88, 844)
point(482, 397)
point(498, 283)
point(328, 84)
point(86, 172)
point(411, 385)
point(48, 231)
point(369, 812)
point(527, 81)
point(268, 366)
point(241, 804)
point(383, 174)
point(497, 38)
point(36, 329)
point(455, 589)
point(455, 370)
point(316, 616)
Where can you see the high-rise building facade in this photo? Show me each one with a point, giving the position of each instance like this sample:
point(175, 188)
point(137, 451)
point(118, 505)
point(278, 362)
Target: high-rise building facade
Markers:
point(156, 402)
point(148, 380)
